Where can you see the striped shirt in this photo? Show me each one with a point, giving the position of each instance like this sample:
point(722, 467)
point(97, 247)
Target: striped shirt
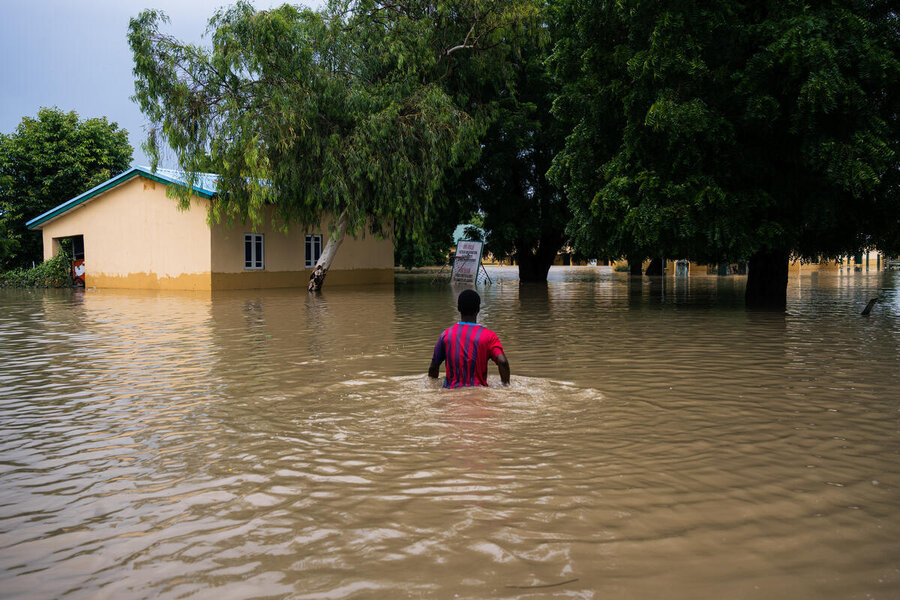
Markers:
point(466, 347)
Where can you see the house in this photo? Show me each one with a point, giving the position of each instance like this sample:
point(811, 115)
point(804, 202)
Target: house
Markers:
point(874, 260)
point(132, 235)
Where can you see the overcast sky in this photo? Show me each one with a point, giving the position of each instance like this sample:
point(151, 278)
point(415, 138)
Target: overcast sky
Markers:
point(74, 54)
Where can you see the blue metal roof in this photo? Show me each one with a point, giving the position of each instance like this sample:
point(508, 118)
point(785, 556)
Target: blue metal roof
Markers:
point(460, 232)
point(206, 182)
point(205, 187)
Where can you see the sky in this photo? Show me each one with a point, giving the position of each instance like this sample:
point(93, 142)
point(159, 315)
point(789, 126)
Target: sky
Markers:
point(73, 54)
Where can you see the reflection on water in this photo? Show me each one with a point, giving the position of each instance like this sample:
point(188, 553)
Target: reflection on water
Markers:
point(657, 441)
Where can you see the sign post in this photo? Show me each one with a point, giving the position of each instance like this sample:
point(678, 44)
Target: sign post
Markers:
point(467, 262)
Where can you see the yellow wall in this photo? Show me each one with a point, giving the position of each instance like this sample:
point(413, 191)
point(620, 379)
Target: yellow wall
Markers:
point(876, 260)
point(847, 263)
point(136, 237)
point(361, 260)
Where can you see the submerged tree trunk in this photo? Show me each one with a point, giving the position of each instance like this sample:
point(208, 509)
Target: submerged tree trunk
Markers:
point(533, 268)
point(534, 265)
point(634, 265)
point(655, 267)
point(317, 278)
point(767, 278)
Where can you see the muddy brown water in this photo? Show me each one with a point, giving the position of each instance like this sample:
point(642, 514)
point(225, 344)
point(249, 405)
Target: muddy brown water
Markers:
point(655, 443)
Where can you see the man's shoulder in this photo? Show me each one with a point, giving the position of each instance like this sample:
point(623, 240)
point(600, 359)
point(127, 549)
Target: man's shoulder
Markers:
point(489, 333)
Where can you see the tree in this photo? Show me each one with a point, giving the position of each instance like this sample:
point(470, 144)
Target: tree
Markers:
point(731, 130)
point(46, 161)
point(434, 245)
point(347, 113)
point(506, 190)
point(524, 213)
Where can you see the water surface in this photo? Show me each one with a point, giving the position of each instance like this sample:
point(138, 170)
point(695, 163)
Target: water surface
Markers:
point(657, 442)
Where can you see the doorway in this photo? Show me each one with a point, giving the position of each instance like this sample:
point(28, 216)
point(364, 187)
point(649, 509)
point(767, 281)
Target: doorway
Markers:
point(73, 247)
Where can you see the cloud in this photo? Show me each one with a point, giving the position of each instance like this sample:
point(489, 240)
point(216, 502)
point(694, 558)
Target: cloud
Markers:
point(75, 55)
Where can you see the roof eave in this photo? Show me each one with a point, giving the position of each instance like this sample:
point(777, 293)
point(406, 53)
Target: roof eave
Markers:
point(40, 220)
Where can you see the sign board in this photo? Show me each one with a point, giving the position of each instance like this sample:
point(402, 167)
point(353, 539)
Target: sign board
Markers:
point(467, 262)
point(78, 270)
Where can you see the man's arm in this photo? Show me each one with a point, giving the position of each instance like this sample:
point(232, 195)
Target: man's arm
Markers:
point(503, 366)
point(440, 354)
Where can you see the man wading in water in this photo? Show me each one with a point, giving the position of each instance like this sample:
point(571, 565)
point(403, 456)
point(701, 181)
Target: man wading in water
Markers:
point(466, 347)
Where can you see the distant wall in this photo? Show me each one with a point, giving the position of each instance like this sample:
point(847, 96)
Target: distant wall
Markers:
point(876, 260)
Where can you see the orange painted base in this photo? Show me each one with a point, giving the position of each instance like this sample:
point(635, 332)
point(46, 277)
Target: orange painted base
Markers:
point(290, 279)
point(148, 281)
point(236, 281)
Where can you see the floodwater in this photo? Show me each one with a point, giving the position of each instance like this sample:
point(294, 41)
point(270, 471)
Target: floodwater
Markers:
point(655, 443)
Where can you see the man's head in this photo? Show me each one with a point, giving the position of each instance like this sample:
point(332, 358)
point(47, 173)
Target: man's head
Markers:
point(469, 303)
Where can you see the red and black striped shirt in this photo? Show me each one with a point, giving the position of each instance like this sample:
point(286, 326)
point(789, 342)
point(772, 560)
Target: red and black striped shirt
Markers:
point(466, 347)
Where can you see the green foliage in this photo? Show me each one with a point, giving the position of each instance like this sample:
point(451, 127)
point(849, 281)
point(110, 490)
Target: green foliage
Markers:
point(354, 110)
point(432, 249)
point(474, 233)
point(433, 246)
point(721, 129)
point(524, 213)
point(45, 162)
point(53, 273)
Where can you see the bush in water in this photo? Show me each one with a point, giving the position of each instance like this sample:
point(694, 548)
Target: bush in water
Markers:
point(53, 273)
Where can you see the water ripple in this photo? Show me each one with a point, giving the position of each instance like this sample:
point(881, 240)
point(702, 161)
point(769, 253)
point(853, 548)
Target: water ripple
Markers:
point(654, 443)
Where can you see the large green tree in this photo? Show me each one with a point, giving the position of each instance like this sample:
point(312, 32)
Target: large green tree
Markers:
point(525, 215)
point(46, 161)
point(433, 246)
point(729, 130)
point(350, 113)
point(506, 190)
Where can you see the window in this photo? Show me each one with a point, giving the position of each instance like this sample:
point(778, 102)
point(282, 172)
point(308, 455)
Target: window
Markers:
point(253, 251)
point(313, 249)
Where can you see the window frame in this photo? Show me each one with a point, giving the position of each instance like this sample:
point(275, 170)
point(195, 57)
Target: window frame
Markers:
point(252, 239)
point(311, 257)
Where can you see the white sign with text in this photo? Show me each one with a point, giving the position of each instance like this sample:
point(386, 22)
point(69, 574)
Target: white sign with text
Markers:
point(466, 263)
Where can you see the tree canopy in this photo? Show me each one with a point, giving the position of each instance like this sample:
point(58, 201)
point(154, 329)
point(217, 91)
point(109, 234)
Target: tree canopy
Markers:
point(507, 189)
point(730, 130)
point(46, 161)
point(354, 112)
point(524, 213)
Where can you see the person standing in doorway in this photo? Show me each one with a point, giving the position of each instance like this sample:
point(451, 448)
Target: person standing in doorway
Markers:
point(466, 347)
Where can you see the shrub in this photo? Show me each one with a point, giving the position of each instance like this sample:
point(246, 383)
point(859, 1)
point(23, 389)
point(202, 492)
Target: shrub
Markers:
point(53, 273)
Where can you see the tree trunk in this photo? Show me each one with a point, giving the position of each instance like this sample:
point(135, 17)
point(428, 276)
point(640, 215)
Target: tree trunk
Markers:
point(767, 278)
point(317, 277)
point(655, 268)
point(534, 265)
point(634, 265)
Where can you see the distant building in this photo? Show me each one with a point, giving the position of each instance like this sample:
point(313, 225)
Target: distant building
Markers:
point(131, 235)
point(872, 260)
